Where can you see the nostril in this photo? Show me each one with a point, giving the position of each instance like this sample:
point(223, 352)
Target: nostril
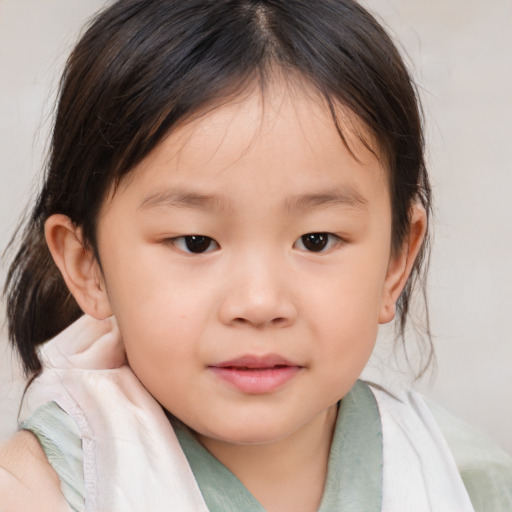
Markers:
point(276, 322)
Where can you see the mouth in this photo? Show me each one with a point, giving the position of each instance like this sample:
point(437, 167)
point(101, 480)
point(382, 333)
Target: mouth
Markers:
point(256, 374)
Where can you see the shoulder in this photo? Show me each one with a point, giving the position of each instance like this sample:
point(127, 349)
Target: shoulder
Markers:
point(27, 480)
point(484, 467)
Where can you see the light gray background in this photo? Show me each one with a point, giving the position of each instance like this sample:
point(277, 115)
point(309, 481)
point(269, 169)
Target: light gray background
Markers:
point(461, 55)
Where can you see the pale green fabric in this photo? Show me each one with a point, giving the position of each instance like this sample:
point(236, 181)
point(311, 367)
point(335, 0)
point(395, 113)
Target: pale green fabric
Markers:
point(221, 489)
point(354, 475)
point(61, 441)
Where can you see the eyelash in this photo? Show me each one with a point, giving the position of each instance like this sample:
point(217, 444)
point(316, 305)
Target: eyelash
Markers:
point(318, 242)
point(185, 243)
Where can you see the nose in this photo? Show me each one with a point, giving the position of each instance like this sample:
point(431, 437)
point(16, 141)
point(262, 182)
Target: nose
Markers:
point(259, 294)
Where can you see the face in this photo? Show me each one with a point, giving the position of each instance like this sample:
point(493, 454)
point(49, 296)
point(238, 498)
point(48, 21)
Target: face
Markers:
point(246, 260)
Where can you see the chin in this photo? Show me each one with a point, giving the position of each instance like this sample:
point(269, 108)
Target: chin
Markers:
point(256, 434)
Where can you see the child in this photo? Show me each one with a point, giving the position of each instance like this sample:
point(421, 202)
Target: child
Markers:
point(236, 198)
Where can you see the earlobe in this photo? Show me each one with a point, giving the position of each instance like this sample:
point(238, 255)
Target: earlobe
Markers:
point(401, 264)
point(78, 266)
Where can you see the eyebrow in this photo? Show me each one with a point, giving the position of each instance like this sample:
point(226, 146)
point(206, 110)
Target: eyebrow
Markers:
point(188, 199)
point(344, 197)
point(183, 199)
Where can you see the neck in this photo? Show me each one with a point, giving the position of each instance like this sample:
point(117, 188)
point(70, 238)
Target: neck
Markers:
point(288, 474)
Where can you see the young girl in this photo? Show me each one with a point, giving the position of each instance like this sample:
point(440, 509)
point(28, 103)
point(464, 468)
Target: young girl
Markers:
point(236, 198)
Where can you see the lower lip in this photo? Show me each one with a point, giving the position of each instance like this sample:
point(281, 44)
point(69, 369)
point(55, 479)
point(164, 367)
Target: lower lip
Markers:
point(256, 381)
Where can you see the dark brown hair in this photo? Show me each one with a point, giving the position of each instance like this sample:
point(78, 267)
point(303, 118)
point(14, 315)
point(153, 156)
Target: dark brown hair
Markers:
point(142, 66)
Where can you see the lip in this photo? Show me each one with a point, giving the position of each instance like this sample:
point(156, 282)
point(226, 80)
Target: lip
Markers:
point(256, 375)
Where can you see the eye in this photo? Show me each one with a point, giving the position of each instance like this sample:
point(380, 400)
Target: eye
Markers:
point(195, 244)
point(316, 242)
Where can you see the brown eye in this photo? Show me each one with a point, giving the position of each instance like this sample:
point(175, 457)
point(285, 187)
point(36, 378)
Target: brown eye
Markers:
point(198, 243)
point(195, 244)
point(316, 242)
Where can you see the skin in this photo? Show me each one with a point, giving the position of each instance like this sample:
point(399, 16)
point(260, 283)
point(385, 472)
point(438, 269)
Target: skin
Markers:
point(254, 175)
point(27, 481)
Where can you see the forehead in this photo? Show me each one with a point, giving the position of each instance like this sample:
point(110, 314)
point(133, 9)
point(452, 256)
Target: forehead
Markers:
point(282, 135)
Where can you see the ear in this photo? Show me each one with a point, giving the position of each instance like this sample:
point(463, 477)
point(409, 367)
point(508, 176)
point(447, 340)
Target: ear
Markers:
point(78, 266)
point(401, 263)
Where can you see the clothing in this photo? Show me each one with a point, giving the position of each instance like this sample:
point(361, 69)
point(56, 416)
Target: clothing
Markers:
point(387, 453)
point(358, 490)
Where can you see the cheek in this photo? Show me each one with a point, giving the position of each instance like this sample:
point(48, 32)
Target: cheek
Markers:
point(161, 320)
point(162, 349)
point(344, 309)
point(142, 282)
point(350, 294)
point(164, 327)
